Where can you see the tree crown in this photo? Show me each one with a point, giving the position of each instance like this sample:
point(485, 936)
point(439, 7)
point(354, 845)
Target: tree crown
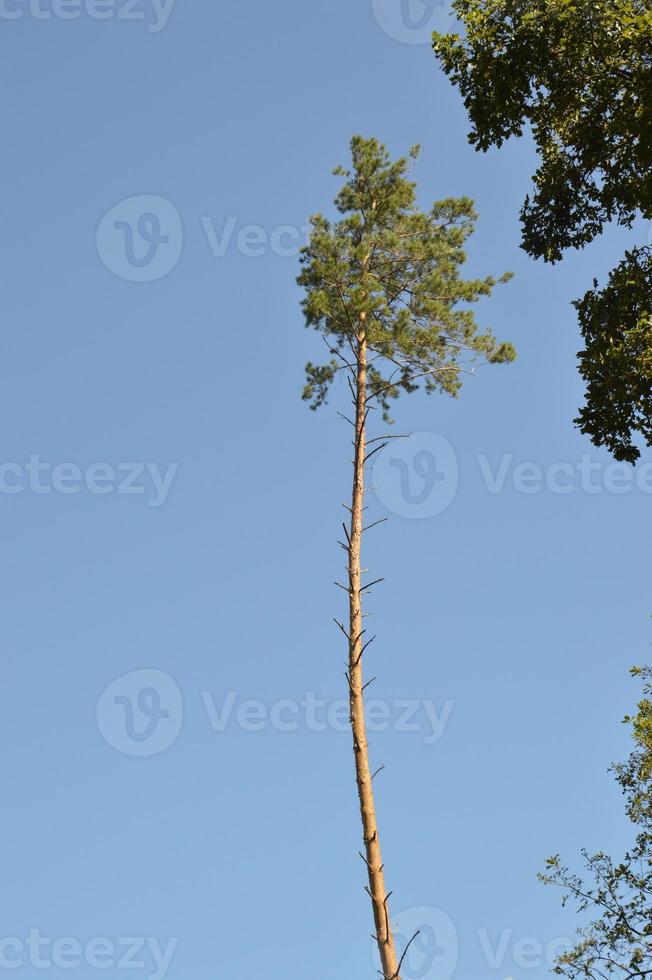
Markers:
point(388, 273)
point(580, 74)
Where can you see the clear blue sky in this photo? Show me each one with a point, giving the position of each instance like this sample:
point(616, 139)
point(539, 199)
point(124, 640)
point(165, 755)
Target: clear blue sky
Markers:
point(516, 614)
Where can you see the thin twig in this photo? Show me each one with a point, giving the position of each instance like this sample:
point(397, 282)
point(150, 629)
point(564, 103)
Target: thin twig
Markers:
point(373, 451)
point(342, 628)
point(375, 523)
point(400, 962)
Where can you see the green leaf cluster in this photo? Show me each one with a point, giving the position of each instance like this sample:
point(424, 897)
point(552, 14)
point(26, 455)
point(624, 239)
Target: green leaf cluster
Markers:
point(579, 75)
point(616, 324)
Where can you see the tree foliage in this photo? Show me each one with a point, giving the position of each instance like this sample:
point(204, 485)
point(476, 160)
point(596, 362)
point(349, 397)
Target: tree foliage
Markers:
point(616, 324)
point(579, 74)
point(618, 943)
point(397, 269)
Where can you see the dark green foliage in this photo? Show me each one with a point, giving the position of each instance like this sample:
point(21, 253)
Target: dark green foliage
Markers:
point(579, 74)
point(617, 945)
point(392, 272)
point(617, 363)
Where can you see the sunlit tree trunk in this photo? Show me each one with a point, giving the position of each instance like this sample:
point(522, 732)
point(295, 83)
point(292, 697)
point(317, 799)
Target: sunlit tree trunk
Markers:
point(372, 856)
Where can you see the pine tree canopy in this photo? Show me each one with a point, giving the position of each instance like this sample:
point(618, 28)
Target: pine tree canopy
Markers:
point(388, 273)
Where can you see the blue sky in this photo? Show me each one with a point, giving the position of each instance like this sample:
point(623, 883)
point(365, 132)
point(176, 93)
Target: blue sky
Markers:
point(170, 511)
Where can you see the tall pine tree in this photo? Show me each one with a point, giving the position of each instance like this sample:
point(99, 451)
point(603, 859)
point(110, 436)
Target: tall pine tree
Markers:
point(383, 287)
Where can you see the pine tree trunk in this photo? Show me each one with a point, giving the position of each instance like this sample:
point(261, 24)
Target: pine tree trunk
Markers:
point(376, 889)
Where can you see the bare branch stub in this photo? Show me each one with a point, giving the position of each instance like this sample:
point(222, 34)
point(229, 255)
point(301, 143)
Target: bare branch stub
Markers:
point(375, 524)
point(400, 963)
point(374, 451)
point(364, 647)
point(381, 438)
point(342, 628)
